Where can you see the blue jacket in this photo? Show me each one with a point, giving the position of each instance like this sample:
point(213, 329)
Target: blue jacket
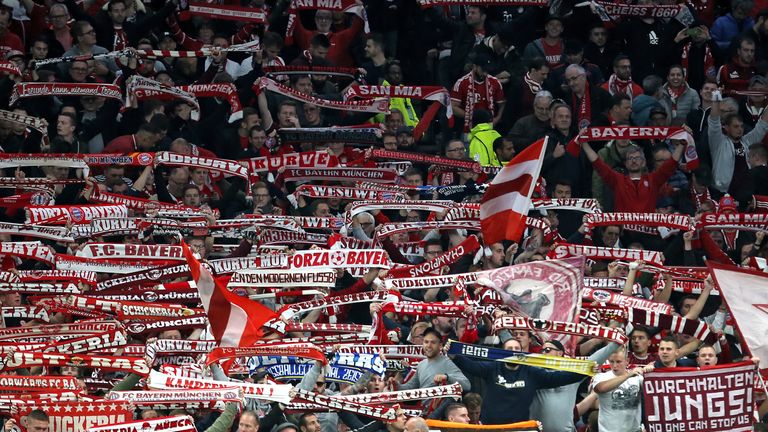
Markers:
point(726, 28)
point(509, 393)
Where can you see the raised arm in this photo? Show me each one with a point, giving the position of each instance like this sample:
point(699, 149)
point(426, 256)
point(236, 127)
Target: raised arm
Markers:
point(591, 154)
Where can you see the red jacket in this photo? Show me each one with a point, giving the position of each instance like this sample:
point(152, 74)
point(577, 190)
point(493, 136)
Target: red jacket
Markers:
point(338, 53)
point(637, 196)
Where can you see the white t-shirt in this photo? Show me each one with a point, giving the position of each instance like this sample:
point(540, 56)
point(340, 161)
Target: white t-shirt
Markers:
point(620, 408)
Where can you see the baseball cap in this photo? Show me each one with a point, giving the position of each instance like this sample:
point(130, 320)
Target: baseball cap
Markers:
point(482, 59)
point(553, 18)
point(557, 344)
point(404, 130)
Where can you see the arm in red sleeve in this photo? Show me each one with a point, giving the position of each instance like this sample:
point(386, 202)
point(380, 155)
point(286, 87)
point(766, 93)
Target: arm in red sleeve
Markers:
point(665, 171)
point(348, 35)
point(185, 41)
point(711, 249)
point(37, 19)
point(242, 250)
point(301, 35)
point(359, 286)
point(381, 218)
point(725, 352)
point(609, 176)
point(394, 252)
point(244, 35)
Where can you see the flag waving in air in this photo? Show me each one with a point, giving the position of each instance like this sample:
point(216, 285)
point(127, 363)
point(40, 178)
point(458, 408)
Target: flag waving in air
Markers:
point(508, 198)
point(235, 321)
point(747, 299)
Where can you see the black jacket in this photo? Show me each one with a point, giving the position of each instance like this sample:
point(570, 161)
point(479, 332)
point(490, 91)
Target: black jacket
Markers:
point(105, 31)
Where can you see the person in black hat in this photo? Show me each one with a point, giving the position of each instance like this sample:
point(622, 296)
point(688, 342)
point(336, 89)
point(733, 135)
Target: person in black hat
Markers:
point(550, 46)
point(478, 90)
point(573, 53)
point(506, 64)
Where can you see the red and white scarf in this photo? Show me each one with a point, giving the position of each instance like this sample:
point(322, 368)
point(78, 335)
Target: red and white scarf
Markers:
point(311, 159)
point(225, 12)
point(472, 98)
point(625, 301)
point(176, 423)
point(709, 59)
point(577, 329)
point(27, 120)
point(376, 105)
point(582, 108)
point(224, 166)
point(617, 85)
point(31, 89)
point(378, 175)
point(564, 250)
point(226, 91)
point(533, 85)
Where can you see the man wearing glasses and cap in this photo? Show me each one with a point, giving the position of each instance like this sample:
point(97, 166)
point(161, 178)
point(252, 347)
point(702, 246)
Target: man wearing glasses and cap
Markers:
point(551, 404)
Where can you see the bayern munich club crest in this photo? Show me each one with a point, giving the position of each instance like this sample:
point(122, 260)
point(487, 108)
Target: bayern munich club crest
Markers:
point(77, 214)
point(144, 159)
point(601, 295)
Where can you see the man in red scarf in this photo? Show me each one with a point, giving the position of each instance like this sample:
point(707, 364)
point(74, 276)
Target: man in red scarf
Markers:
point(586, 102)
point(477, 90)
point(621, 79)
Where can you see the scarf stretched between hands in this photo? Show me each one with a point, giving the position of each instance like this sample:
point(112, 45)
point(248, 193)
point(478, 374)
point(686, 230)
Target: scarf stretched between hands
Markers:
point(584, 367)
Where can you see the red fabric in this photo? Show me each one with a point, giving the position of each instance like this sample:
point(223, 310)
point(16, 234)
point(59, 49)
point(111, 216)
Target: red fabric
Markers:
point(466, 85)
point(582, 108)
point(340, 41)
point(189, 43)
point(10, 42)
point(122, 144)
point(227, 326)
point(636, 89)
point(553, 53)
point(121, 39)
point(507, 200)
point(713, 251)
point(735, 77)
point(636, 196)
point(634, 361)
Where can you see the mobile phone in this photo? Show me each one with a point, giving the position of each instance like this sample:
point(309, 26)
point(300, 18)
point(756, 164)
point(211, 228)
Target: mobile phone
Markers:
point(694, 32)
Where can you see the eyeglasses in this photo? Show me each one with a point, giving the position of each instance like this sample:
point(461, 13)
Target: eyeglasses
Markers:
point(90, 32)
point(548, 349)
point(635, 158)
point(574, 78)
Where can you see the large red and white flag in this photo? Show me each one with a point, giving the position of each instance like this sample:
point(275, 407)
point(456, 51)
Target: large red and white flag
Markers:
point(508, 198)
point(745, 293)
point(235, 321)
